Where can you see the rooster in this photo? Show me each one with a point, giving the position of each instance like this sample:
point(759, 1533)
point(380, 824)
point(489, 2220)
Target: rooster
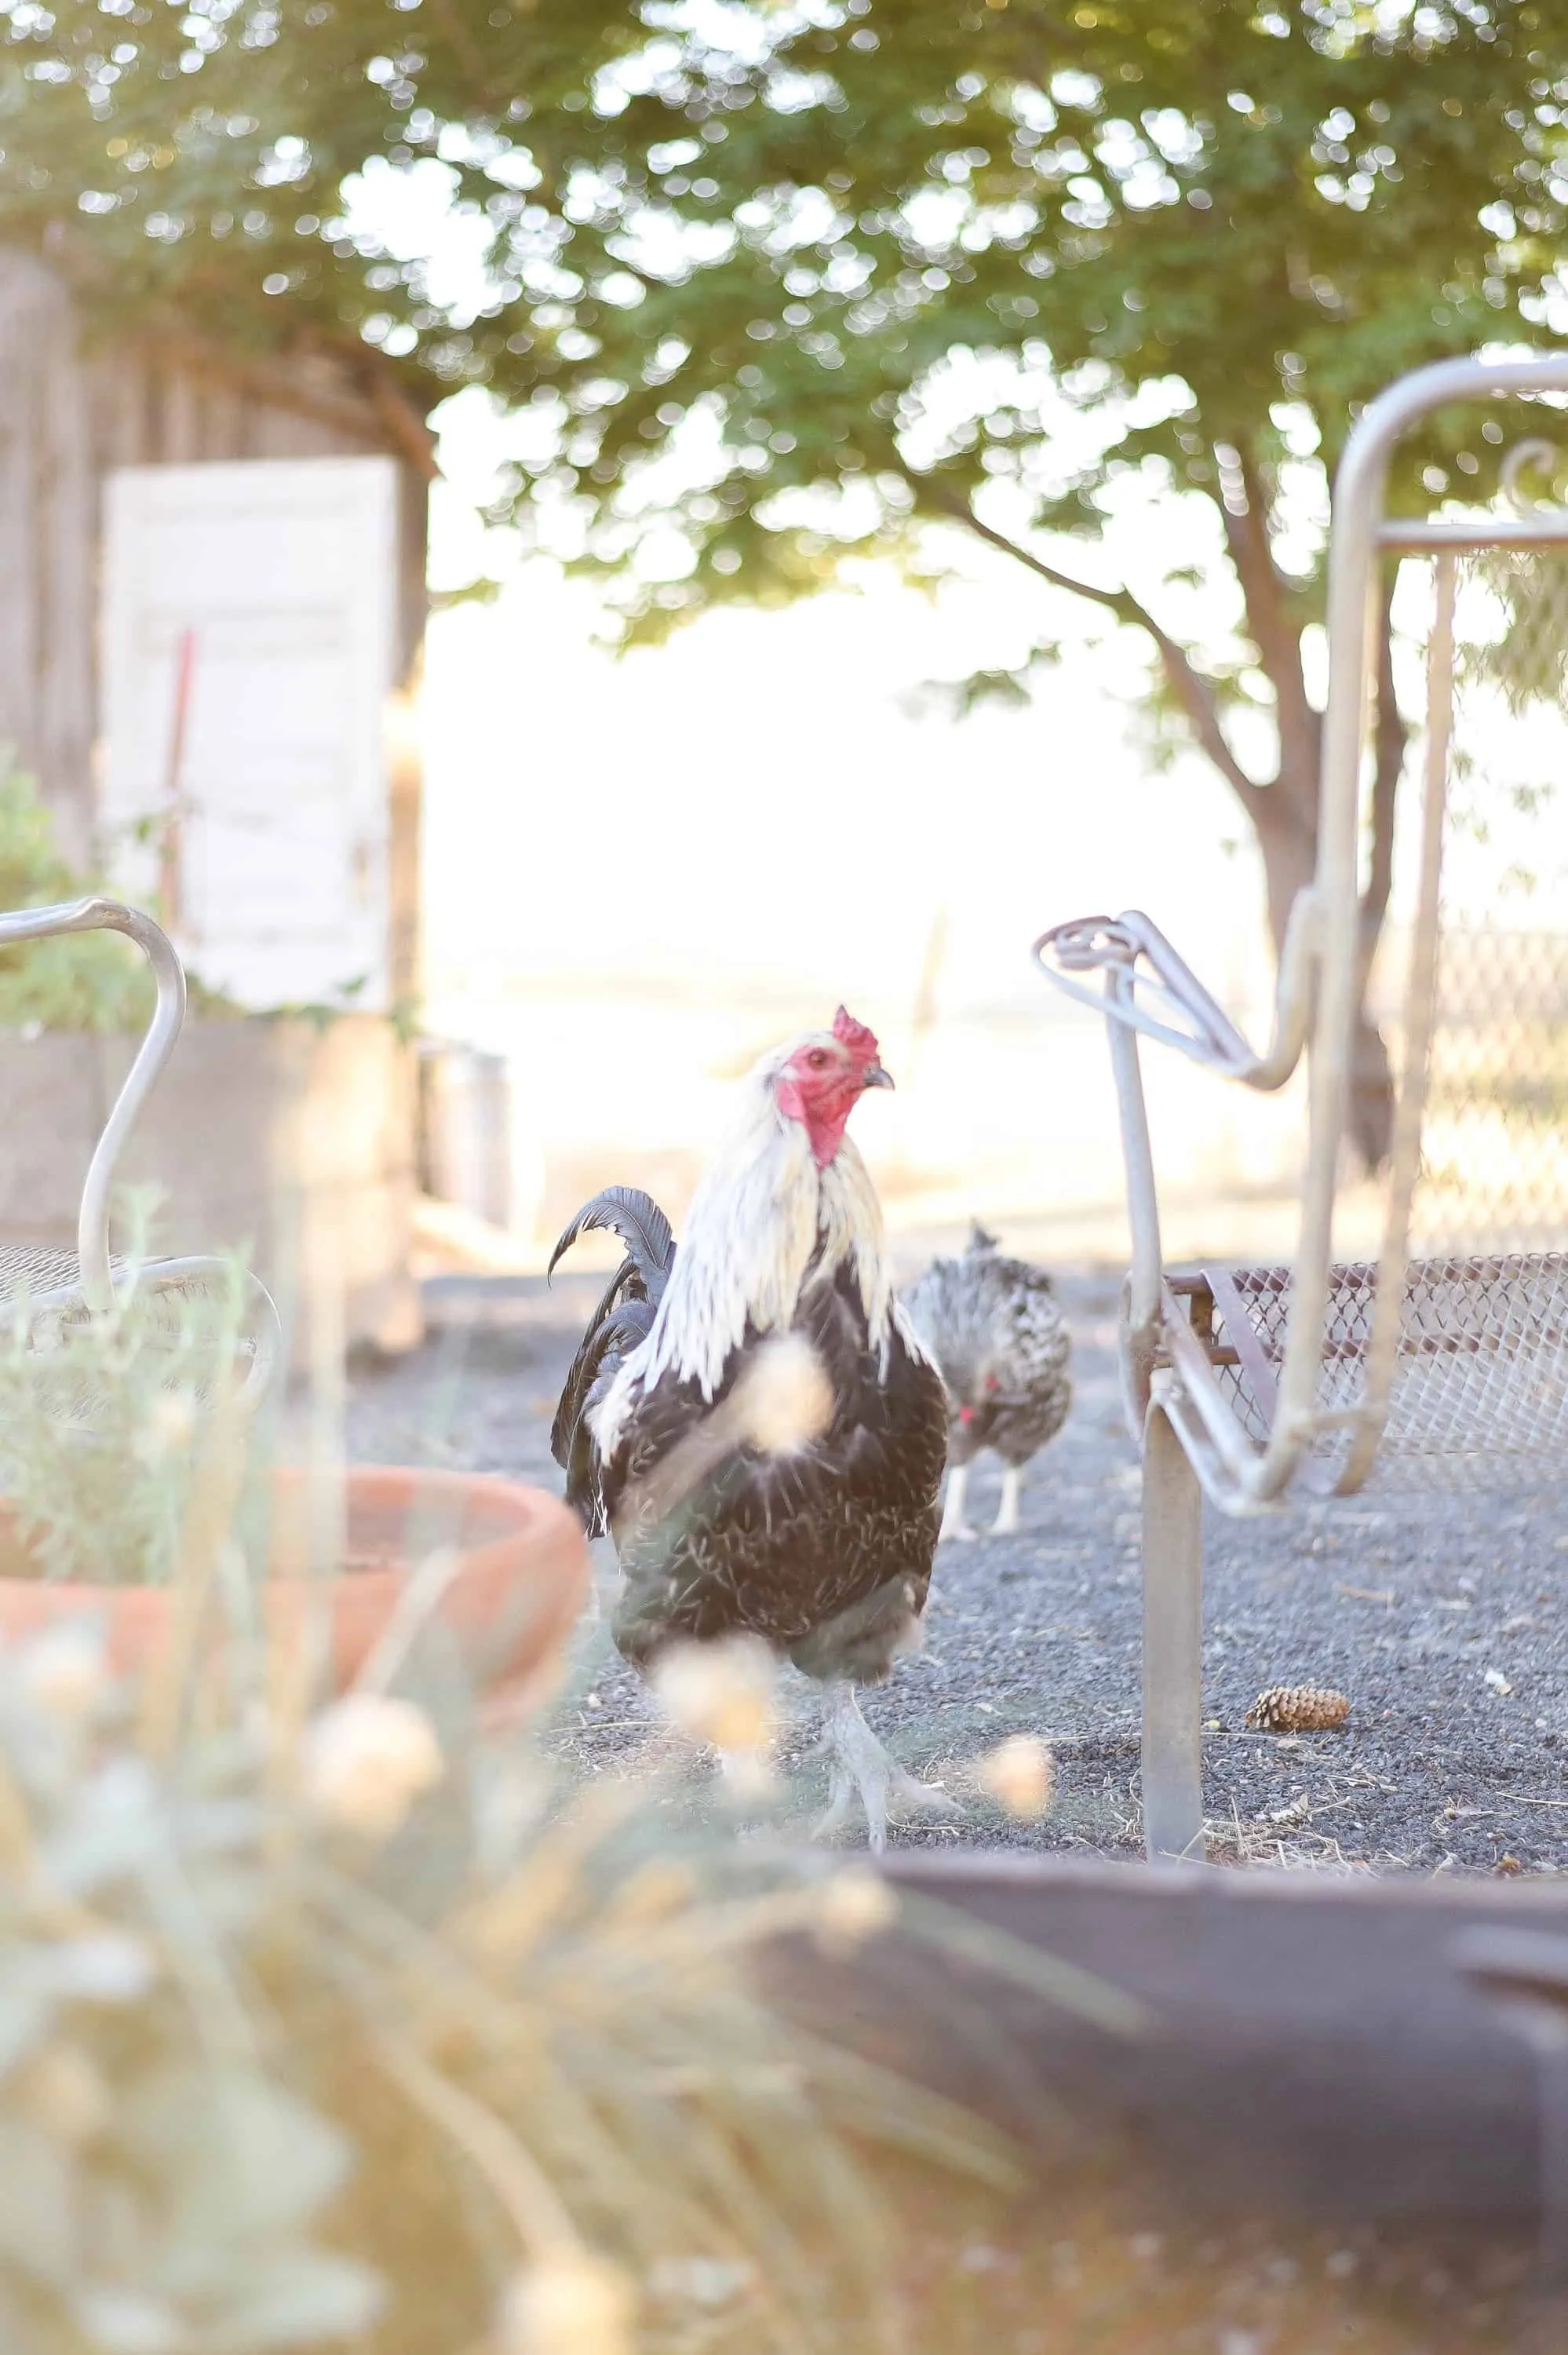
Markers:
point(752, 1418)
point(993, 1326)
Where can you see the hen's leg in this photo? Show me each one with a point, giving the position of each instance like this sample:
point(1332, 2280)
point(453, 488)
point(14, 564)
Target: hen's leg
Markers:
point(863, 1770)
point(1006, 1522)
point(953, 1522)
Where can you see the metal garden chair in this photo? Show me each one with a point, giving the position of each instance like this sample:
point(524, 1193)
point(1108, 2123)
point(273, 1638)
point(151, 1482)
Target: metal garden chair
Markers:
point(1442, 1359)
point(45, 1295)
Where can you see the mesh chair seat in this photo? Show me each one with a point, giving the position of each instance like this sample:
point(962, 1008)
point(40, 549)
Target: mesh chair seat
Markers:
point(35, 1275)
point(186, 1322)
point(1480, 1398)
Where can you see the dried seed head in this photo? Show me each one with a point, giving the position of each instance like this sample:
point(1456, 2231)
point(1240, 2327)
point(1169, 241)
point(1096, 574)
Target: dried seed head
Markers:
point(130, 2323)
point(1020, 1774)
point(63, 2092)
point(653, 1893)
point(855, 1905)
point(570, 2303)
point(706, 2282)
point(721, 1692)
point(367, 1759)
point(108, 1966)
point(64, 1673)
point(748, 1776)
point(170, 1426)
point(783, 1400)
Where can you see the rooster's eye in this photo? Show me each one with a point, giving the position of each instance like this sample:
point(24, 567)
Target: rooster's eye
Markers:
point(816, 1058)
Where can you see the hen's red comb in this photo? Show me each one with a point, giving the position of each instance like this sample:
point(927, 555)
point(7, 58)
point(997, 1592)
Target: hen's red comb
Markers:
point(855, 1035)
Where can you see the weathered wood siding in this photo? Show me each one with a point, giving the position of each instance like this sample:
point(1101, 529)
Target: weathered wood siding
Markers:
point(48, 511)
point(68, 414)
point(263, 1130)
point(289, 1140)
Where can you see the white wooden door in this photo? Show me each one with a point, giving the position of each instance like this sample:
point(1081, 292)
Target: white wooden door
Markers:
point(247, 622)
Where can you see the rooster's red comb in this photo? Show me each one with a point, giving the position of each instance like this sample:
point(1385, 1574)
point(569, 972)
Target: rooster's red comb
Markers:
point(855, 1035)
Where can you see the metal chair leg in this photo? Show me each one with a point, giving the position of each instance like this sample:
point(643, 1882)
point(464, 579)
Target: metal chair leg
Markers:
point(1172, 1645)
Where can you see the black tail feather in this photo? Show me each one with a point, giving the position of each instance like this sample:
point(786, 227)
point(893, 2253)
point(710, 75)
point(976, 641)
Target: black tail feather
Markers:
point(617, 1326)
point(636, 1218)
point(600, 1330)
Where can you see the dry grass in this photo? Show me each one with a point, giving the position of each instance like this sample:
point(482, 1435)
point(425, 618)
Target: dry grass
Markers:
point(485, 2034)
point(395, 2044)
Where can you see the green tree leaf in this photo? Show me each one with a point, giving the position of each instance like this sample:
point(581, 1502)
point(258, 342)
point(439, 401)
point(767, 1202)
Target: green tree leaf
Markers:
point(782, 286)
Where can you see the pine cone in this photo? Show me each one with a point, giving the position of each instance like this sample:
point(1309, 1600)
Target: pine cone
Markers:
point(1299, 1709)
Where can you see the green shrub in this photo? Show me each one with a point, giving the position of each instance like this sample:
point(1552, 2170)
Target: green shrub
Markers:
point(76, 981)
point(106, 1421)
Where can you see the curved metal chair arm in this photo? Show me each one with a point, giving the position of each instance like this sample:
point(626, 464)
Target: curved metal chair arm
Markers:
point(1146, 986)
point(90, 915)
point(263, 1337)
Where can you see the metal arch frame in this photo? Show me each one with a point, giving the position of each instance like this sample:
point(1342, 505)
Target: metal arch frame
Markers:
point(1191, 1439)
point(96, 914)
point(93, 915)
point(1316, 999)
point(1361, 534)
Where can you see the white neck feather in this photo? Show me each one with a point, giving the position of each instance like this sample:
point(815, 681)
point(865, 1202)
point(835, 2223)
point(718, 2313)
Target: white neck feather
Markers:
point(758, 1214)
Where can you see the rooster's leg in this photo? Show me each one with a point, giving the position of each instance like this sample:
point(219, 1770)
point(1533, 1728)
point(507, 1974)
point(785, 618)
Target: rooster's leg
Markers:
point(1006, 1522)
point(953, 1522)
point(861, 1769)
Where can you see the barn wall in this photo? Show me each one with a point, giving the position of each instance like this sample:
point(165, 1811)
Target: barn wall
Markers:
point(67, 414)
point(318, 1131)
point(292, 1141)
point(49, 505)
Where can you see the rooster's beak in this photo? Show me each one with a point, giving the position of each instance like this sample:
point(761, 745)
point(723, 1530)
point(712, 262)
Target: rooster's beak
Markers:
point(873, 1076)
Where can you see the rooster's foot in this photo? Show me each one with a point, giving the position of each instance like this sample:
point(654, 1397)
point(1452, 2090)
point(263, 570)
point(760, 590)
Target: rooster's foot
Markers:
point(863, 1770)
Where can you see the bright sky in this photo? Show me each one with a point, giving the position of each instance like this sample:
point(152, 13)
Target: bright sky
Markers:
point(770, 795)
point(641, 872)
point(764, 797)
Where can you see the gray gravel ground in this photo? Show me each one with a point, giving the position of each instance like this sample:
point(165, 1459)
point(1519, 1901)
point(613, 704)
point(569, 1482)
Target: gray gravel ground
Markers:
point(1444, 1622)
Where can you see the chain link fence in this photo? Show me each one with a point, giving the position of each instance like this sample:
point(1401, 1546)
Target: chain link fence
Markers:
point(1479, 1393)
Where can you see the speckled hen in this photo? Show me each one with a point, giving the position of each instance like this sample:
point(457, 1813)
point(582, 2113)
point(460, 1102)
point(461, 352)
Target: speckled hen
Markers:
point(994, 1327)
point(752, 1418)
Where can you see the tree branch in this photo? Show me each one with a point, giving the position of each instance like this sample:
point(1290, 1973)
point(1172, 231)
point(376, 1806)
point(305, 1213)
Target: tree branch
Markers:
point(344, 404)
point(1277, 639)
point(378, 380)
point(1188, 685)
point(403, 421)
point(465, 48)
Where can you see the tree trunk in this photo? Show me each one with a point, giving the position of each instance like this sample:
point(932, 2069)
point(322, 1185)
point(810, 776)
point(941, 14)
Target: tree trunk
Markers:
point(1284, 820)
point(1371, 1109)
point(1284, 813)
point(1286, 824)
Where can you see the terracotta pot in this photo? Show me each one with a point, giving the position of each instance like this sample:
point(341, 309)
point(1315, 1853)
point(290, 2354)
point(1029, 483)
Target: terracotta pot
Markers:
point(519, 1580)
